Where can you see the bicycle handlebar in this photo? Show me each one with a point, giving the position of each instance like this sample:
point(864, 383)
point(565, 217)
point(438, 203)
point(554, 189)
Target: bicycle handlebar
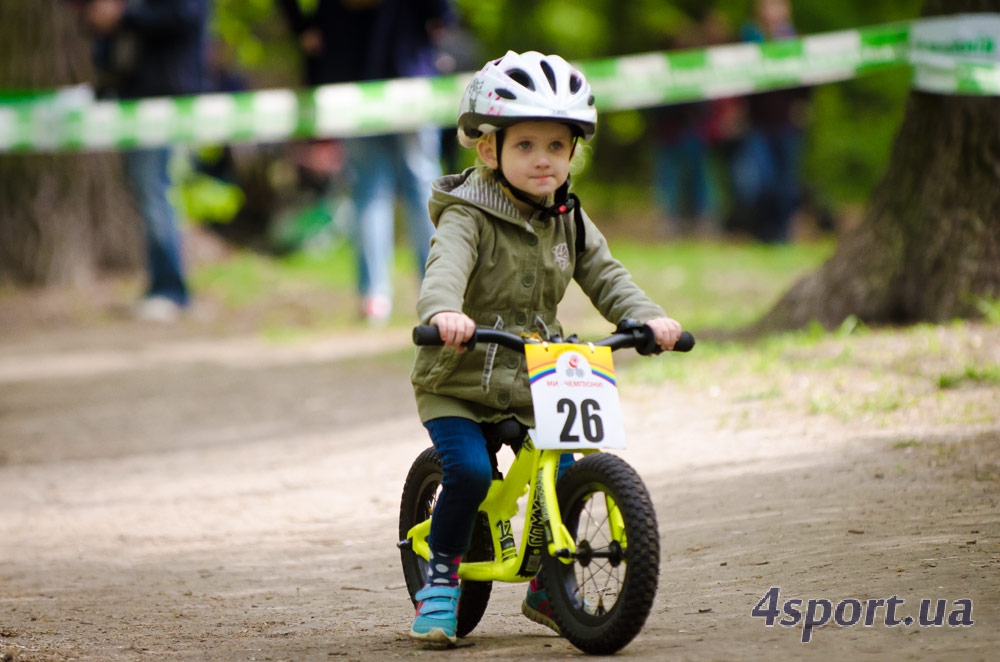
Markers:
point(640, 337)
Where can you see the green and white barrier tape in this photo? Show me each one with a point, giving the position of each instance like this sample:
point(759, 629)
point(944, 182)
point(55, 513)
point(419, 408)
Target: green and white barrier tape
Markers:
point(950, 55)
point(957, 54)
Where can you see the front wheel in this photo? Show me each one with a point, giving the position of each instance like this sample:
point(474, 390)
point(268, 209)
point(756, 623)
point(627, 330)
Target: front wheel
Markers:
point(602, 599)
point(420, 492)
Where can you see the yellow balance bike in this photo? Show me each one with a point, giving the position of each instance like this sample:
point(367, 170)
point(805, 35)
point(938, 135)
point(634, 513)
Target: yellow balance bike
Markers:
point(591, 536)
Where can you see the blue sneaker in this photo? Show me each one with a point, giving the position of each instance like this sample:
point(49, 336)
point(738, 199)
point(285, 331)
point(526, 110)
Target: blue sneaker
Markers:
point(437, 614)
point(537, 608)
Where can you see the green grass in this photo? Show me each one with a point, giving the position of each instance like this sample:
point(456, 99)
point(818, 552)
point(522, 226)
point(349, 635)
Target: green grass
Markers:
point(718, 286)
point(706, 285)
point(249, 278)
point(971, 375)
point(943, 374)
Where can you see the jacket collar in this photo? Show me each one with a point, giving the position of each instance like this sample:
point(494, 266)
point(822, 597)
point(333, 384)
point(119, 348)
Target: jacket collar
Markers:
point(477, 187)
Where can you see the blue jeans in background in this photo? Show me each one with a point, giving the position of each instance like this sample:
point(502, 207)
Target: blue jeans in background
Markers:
point(467, 475)
point(384, 167)
point(683, 178)
point(149, 180)
point(766, 178)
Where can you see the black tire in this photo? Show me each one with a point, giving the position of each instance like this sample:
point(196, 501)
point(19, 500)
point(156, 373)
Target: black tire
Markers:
point(601, 603)
point(417, 503)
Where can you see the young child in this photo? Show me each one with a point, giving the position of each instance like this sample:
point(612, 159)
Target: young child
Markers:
point(510, 238)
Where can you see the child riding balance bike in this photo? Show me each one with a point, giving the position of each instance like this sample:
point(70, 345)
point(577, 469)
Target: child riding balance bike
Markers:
point(510, 237)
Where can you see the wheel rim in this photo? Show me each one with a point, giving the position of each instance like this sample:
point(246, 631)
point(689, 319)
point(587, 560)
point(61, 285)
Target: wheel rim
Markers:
point(599, 574)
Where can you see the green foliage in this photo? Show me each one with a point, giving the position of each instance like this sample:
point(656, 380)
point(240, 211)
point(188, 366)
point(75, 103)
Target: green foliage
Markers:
point(256, 41)
point(209, 200)
point(990, 309)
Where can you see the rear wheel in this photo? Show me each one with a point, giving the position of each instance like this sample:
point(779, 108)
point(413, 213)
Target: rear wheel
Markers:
point(602, 599)
point(423, 482)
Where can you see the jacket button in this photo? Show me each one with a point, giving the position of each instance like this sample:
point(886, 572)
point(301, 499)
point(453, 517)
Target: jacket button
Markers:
point(513, 361)
point(528, 280)
point(521, 319)
point(532, 240)
point(503, 398)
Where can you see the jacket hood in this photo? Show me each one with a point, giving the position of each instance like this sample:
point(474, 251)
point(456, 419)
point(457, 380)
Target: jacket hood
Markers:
point(476, 187)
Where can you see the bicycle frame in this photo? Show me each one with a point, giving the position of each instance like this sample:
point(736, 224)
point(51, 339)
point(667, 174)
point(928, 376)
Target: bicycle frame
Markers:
point(533, 472)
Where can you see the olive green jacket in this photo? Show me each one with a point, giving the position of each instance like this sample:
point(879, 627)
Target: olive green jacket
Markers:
point(503, 271)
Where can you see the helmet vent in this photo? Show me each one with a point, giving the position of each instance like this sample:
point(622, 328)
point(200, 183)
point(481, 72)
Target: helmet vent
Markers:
point(550, 75)
point(505, 93)
point(575, 84)
point(521, 77)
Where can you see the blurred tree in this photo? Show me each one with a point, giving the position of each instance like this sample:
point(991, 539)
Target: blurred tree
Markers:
point(928, 248)
point(63, 217)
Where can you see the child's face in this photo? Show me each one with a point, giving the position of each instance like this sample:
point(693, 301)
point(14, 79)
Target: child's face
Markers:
point(536, 156)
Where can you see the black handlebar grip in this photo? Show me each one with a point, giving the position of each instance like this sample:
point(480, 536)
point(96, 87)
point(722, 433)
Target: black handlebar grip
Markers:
point(427, 334)
point(646, 342)
point(685, 343)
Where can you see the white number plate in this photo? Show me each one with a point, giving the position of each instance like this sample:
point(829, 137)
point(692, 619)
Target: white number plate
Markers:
point(575, 397)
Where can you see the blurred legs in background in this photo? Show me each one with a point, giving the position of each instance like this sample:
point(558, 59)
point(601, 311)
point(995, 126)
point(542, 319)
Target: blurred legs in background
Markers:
point(384, 167)
point(766, 179)
point(684, 185)
point(149, 179)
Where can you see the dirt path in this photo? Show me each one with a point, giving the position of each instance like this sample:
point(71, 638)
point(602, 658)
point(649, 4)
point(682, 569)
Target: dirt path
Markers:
point(217, 499)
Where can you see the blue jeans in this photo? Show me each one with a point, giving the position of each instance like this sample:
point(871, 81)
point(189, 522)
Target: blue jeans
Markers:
point(684, 186)
point(384, 167)
point(149, 180)
point(766, 175)
point(467, 473)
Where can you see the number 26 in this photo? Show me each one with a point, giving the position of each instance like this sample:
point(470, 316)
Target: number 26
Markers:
point(593, 427)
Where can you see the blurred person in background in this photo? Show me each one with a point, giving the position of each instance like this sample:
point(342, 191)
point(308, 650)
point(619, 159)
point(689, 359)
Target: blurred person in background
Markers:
point(458, 51)
point(767, 164)
point(362, 40)
point(689, 138)
point(151, 48)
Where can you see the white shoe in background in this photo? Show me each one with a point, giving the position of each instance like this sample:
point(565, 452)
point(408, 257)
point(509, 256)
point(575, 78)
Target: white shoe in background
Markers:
point(158, 309)
point(376, 309)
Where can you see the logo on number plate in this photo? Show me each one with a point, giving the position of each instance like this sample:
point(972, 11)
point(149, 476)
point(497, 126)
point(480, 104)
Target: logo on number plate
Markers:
point(573, 369)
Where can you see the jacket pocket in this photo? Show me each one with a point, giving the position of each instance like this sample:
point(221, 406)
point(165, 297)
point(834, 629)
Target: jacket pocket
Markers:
point(433, 366)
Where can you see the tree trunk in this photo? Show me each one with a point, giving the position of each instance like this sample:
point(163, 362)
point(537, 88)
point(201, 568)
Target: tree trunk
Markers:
point(928, 248)
point(63, 217)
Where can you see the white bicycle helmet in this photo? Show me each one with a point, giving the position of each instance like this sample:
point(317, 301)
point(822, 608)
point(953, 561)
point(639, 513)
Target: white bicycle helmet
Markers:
point(526, 86)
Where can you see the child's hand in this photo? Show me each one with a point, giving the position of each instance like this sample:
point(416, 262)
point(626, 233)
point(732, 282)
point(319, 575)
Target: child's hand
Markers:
point(667, 331)
point(455, 328)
